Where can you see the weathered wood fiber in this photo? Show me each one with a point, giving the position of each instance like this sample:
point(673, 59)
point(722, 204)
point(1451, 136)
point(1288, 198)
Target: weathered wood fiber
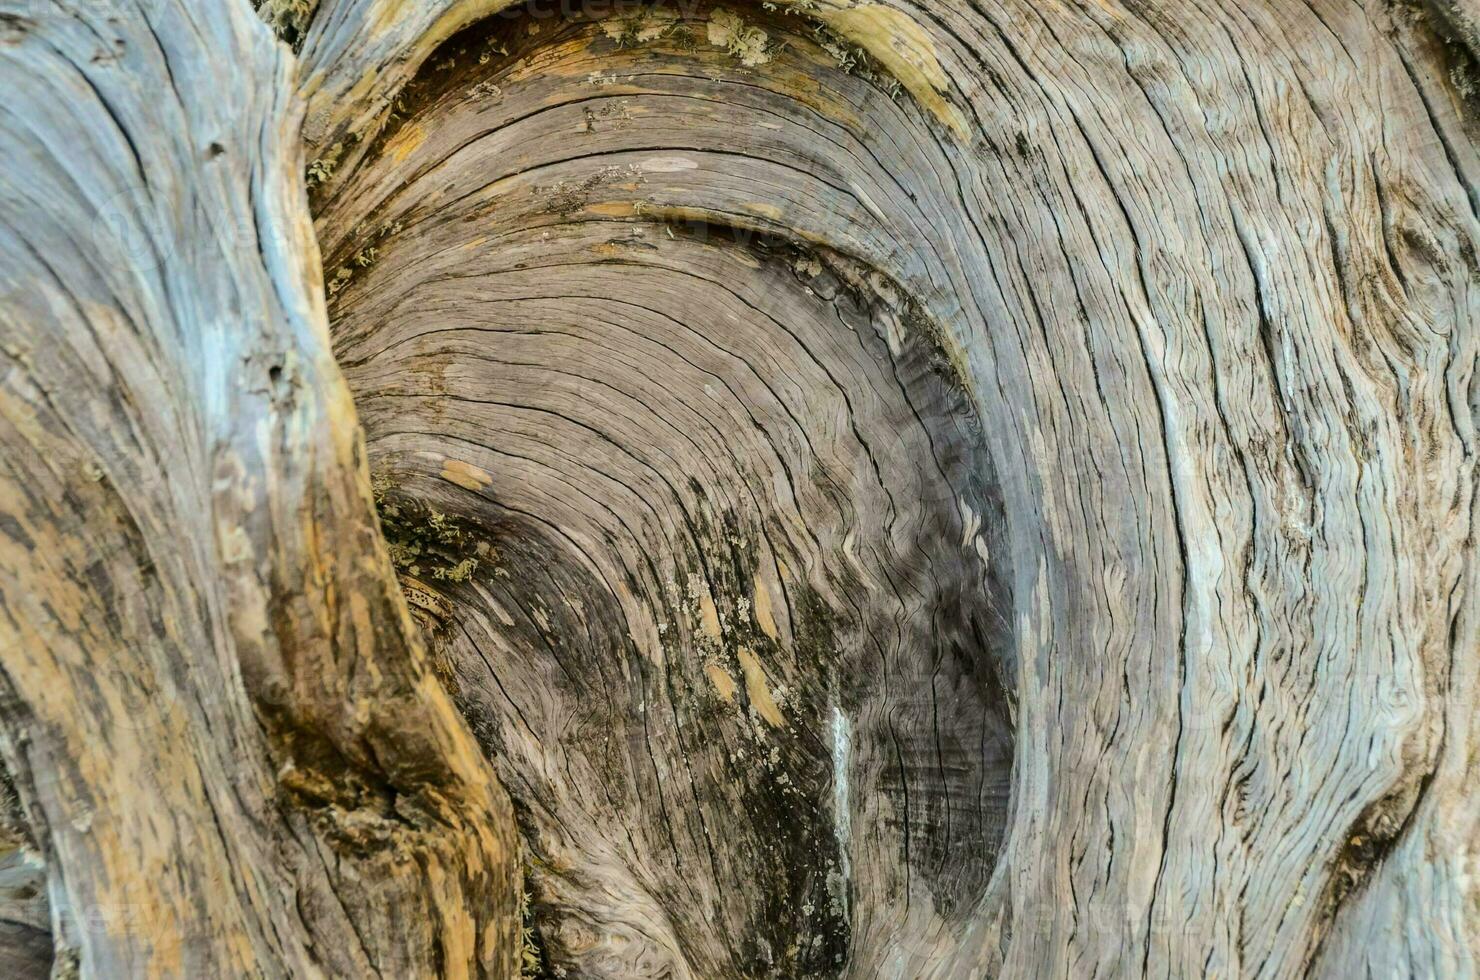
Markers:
point(739, 632)
point(223, 728)
point(1211, 274)
point(1016, 522)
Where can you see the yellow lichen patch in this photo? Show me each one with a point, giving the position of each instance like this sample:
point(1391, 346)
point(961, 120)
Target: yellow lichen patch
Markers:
point(904, 49)
point(709, 617)
point(465, 475)
point(405, 142)
point(723, 683)
point(764, 210)
point(613, 209)
point(678, 214)
point(757, 691)
point(386, 15)
point(762, 606)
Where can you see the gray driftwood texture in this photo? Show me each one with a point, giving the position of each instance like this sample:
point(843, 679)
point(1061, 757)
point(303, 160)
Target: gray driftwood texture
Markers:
point(908, 489)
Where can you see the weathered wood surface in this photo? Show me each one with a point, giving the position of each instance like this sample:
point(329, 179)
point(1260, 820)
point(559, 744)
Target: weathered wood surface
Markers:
point(25, 913)
point(1018, 525)
point(225, 733)
point(734, 639)
point(1212, 274)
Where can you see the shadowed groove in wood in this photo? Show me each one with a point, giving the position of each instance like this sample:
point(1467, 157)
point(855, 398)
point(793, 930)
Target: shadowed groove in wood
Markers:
point(740, 637)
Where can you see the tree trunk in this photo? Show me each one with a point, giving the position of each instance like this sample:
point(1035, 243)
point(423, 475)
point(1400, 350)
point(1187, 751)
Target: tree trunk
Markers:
point(805, 489)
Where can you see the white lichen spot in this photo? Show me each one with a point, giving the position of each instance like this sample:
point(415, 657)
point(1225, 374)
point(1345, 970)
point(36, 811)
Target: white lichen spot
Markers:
point(751, 45)
point(647, 24)
point(808, 267)
point(487, 91)
point(323, 168)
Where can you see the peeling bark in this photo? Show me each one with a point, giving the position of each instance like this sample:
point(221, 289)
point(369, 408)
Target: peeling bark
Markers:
point(883, 489)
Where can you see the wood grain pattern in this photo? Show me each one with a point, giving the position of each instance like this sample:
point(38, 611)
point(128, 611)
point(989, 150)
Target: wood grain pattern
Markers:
point(739, 602)
point(1210, 277)
point(920, 489)
point(735, 645)
point(225, 734)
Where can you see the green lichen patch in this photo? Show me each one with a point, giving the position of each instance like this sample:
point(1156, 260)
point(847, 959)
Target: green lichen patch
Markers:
point(364, 259)
point(320, 170)
point(288, 18)
point(532, 964)
point(853, 60)
point(850, 58)
point(426, 543)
